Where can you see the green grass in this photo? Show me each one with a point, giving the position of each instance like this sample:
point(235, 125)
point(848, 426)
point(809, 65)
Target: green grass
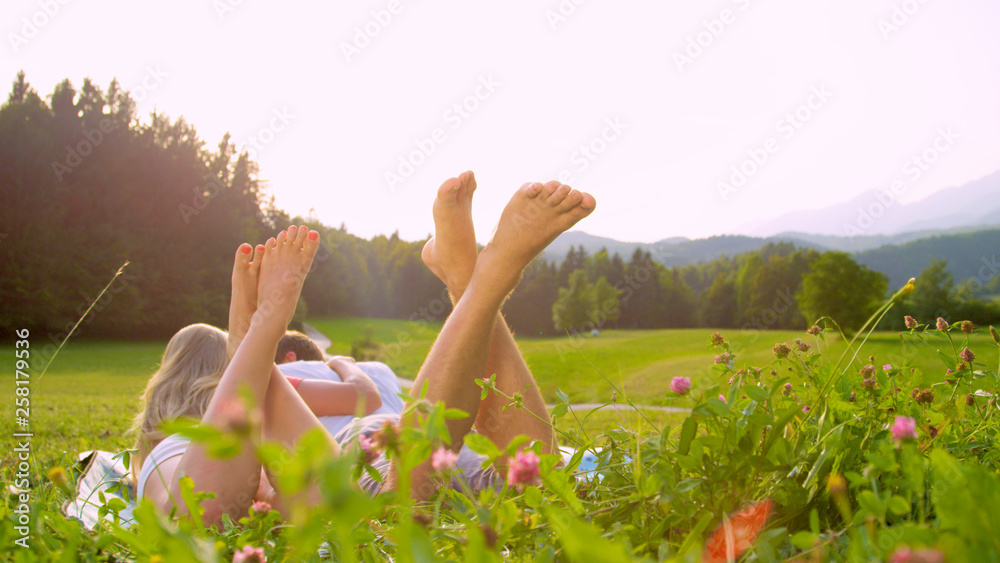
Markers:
point(90, 394)
point(85, 401)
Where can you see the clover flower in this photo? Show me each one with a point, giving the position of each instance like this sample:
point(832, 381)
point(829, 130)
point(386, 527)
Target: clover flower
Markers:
point(967, 355)
point(942, 324)
point(904, 428)
point(867, 371)
point(523, 469)
point(443, 459)
point(723, 358)
point(680, 385)
point(814, 330)
point(968, 327)
point(249, 554)
point(260, 507)
point(906, 555)
point(781, 350)
point(717, 339)
point(911, 323)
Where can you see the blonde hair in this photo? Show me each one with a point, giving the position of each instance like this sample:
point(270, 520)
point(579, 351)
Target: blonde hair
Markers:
point(189, 372)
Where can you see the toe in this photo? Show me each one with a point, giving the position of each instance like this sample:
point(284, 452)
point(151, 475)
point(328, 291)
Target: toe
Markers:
point(310, 242)
point(242, 257)
point(282, 237)
point(468, 179)
point(531, 189)
point(559, 194)
point(449, 189)
point(573, 199)
point(258, 254)
point(300, 236)
point(587, 202)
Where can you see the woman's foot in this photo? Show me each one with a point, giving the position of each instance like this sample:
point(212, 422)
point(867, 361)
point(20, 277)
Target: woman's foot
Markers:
point(243, 303)
point(285, 262)
point(533, 218)
point(451, 253)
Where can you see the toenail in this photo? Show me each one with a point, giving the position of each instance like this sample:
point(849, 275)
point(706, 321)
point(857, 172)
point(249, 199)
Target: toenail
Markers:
point(313, 235)
point(245, 249)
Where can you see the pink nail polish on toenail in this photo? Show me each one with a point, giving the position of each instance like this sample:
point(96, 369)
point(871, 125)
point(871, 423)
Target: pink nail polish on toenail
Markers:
point(245, 249)
point(313, 235)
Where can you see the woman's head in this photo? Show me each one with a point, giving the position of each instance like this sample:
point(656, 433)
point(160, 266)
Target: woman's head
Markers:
point(190, 370)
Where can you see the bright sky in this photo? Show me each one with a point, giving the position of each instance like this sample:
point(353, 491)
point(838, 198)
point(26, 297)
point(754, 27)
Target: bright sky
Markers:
point(648, 105)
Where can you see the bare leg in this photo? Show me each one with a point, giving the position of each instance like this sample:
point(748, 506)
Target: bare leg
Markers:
point(451, 255)
point(280, 270)
point(534, 217)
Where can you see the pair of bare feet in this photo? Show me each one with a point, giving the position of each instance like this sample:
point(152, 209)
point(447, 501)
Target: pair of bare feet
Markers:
point(267, 281)
point(534, 217)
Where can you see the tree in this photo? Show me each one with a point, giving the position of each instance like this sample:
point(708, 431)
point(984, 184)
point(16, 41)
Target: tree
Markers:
point(575, 305)
point(718, 304)
point(934, 295)
point(607, 307)
point(837, 287)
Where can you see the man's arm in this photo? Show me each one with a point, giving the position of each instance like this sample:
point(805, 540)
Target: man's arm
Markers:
point(331, 398)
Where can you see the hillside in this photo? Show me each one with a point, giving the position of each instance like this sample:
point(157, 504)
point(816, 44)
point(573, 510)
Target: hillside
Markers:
point(969, 255)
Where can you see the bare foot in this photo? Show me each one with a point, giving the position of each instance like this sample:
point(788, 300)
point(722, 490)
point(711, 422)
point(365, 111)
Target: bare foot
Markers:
point(533, 218)
point(451, 253)
point(243, 303)
point(286, 261)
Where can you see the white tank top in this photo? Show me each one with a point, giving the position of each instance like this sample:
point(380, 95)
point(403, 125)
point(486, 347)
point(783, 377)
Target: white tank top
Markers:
point(171, 446)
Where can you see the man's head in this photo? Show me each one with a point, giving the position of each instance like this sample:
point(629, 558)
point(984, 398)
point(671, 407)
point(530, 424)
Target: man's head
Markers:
point(295, 346)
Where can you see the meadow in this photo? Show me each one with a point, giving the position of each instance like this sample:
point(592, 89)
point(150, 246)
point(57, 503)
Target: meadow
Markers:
point(90, 394)
point(888, 457)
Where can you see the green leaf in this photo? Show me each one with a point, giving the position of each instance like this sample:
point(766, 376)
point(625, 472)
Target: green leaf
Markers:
point(688, 430)
point(871, 503)
point(482, 445)
point(898, 505)
point(804, 540)
point(581, 541)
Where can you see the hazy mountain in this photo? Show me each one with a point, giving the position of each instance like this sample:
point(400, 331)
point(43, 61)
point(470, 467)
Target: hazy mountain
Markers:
point(679, 251)
point(876, 212)
point(969, 255)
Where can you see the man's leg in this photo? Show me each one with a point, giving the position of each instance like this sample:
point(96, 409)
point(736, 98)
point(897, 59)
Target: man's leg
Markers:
point(532, 219)
point(451, 255)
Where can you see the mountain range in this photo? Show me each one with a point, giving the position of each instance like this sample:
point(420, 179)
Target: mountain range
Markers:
point(961, 225)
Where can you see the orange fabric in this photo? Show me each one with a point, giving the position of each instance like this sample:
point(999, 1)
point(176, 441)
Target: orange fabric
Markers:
point(737, 533)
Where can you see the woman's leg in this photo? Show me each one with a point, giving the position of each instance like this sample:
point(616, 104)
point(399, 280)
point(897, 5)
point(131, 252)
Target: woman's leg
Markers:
point(280, 266)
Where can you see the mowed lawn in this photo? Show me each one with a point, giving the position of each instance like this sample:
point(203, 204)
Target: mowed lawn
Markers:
point(90, 394)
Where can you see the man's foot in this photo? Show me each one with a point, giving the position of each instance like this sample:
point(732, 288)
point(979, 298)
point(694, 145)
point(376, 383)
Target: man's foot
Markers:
point(451, 253)
point(286, 261)
point(533, 218)
point(243, 302)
